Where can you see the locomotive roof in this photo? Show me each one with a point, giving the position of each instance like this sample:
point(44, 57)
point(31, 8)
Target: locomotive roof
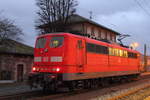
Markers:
point(90, 40)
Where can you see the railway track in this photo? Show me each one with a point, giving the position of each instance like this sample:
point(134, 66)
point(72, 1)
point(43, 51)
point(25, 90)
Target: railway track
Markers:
point(134, 93)
point(139, 92)
point(91, 93)
point(65, 95)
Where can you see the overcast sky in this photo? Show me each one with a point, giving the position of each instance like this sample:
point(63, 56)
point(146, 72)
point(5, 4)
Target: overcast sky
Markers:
point(125, 16)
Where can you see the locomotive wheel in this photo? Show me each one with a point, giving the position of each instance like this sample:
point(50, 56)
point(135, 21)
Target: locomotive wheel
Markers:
point(104, 82)
point(86, 84)
point(71, 85)
point(136, 77)
point(50, 87)
point(80, 84)
point(96, 82)
point(89, 84)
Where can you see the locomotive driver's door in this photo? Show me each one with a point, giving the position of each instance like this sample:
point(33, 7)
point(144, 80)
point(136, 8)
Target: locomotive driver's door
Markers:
point(80, 55)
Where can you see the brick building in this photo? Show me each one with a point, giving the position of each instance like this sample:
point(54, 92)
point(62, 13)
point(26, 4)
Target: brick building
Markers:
point(83, 25)
point(15, 61)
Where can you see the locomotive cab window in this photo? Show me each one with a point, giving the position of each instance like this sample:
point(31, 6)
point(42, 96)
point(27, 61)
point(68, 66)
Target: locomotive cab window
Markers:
point(56, 42)
point(41, 43)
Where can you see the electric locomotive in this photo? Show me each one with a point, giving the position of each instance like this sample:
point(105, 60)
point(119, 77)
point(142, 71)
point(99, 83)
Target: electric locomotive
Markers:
point(68, 60)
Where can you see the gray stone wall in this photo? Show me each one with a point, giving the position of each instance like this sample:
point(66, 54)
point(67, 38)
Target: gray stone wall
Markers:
point(9, 63)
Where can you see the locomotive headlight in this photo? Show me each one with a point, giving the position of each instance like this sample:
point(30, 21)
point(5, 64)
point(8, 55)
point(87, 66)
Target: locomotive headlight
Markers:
point(33, 69)
point(56, 69)
point(56, 59)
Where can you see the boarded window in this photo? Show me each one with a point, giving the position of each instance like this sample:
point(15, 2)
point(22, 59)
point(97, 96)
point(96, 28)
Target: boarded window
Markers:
point(5, 75)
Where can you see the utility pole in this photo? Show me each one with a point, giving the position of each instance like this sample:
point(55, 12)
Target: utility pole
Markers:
point(145, 57)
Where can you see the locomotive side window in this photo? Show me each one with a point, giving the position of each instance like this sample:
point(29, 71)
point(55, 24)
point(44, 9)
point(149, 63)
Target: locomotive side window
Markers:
point(90, 47)
point(56, 42)
point(121, 53)
point(96, 48)
point(41, 43)
point(125, 54)
point(104, 50)
point(112, 51)
point(132, 55)
point(136, 55)
point(117, 52)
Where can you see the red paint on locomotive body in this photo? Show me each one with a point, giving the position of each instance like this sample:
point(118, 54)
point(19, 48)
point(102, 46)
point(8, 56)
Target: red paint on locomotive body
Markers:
point(68, 54)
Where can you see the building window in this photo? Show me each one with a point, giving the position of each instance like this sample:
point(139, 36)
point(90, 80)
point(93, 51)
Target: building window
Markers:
point(102, 34)
point(92, 31)
point(106, 35)
point(89, 30)
point(111, 37)
point(99, 34)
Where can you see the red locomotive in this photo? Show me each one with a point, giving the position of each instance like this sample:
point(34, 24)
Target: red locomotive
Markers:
point(73, 61)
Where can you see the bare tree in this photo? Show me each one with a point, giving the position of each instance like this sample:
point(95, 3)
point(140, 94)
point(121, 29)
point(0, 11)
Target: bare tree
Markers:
point(54, 14)
point(8, 30)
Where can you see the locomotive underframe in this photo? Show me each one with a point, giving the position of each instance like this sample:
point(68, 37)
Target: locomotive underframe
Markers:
point(45, 80)
point(52, 81)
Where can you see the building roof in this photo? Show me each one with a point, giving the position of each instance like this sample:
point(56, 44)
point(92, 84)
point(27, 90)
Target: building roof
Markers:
point(13, 47)
point(78, 19)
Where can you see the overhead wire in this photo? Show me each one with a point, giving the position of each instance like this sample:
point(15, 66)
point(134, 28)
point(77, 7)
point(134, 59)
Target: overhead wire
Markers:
point(141, 6)
point(146, 3)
